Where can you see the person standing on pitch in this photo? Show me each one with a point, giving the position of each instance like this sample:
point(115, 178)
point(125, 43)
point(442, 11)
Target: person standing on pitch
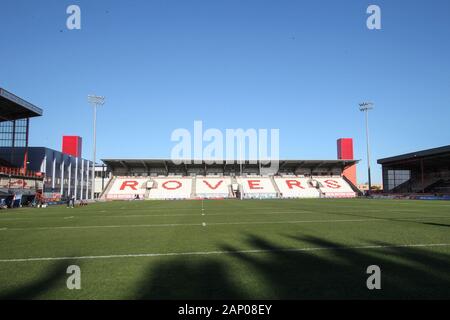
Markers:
point(72, 201)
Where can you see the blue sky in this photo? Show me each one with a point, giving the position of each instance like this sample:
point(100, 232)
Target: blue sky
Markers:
point(298, 66)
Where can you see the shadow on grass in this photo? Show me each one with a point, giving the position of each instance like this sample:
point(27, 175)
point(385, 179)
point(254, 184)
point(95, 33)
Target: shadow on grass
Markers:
point(181, 278)
point(436, 224)
point(407, 272)
point(334, 272)
point(55, 276)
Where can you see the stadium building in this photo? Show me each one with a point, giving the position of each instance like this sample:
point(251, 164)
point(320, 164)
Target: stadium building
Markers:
point(426, 171)
point(27, 171)
point(164, 179)
point(63, 174)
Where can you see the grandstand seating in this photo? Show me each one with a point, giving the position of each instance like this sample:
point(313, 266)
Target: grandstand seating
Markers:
point(440, 186)
point(334, 187)
point(257, 187)
point(19, 172)
point(294, 187)
point(171, 188)
point(251, 187)
point(212, 187)
point(124, 188)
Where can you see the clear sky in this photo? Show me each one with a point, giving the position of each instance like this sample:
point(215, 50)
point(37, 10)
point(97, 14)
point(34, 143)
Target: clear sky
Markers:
point(298, 66)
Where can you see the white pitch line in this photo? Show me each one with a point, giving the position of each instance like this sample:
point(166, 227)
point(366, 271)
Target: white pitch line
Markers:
point(165, 215)
point(228, 223)
point(232, 211)
point(121, 216)
point(325, 221)
point(230, 252)
point(112, 226)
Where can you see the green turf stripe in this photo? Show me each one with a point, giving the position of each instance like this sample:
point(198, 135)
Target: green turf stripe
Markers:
point(228, 223)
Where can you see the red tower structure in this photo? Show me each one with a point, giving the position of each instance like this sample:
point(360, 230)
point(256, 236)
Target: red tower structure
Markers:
point(71, 145)
point(345, 152)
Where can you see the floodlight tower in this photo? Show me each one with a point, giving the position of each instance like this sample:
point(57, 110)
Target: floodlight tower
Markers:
point(95, 101)
point(366, 107)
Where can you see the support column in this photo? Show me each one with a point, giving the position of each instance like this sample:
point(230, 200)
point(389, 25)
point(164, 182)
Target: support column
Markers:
point(82, 179)
point(54, 174)
point(69, 180)
point(76, 179)
point(87, 179)
point(62, 178)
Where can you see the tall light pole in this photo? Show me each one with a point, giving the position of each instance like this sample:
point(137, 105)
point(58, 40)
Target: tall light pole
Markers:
point(95, 101)
point(366, 107)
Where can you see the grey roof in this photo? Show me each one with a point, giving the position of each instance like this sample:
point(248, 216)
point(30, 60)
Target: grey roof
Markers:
point(14, 108)
point(147, 163)
point(417, 155)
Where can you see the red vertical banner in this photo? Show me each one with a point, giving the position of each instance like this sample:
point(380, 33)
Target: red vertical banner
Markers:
point(25, 161)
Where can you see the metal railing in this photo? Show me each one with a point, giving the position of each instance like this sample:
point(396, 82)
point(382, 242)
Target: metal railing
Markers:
point(20, 172)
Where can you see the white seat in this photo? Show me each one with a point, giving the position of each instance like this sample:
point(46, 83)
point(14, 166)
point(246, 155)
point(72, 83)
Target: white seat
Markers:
point(171, 188)
point(296, 188)
point(127, 188)
point(257, 188)
point(212, 187)
point(335, 187)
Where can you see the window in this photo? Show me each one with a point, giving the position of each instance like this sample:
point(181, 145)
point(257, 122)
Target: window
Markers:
point(397, 177)
point(13, 133)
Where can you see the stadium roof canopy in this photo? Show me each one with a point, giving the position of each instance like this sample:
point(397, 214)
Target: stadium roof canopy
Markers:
point(132, 164)
point(14, 108)
point(435, 156)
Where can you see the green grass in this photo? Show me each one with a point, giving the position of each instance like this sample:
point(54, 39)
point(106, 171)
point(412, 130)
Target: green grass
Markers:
point(248, 244)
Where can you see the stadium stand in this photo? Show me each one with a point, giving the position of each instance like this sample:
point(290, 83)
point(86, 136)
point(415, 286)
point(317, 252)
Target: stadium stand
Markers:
point(162, 179)
point(212, 187)
point(18, 183)
point(442, 186)
point(254, 187)
point(296, 187)
point(171, 188)
point(421, 172)
point(126, 188)
point(257, 187)
point(334, 187)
